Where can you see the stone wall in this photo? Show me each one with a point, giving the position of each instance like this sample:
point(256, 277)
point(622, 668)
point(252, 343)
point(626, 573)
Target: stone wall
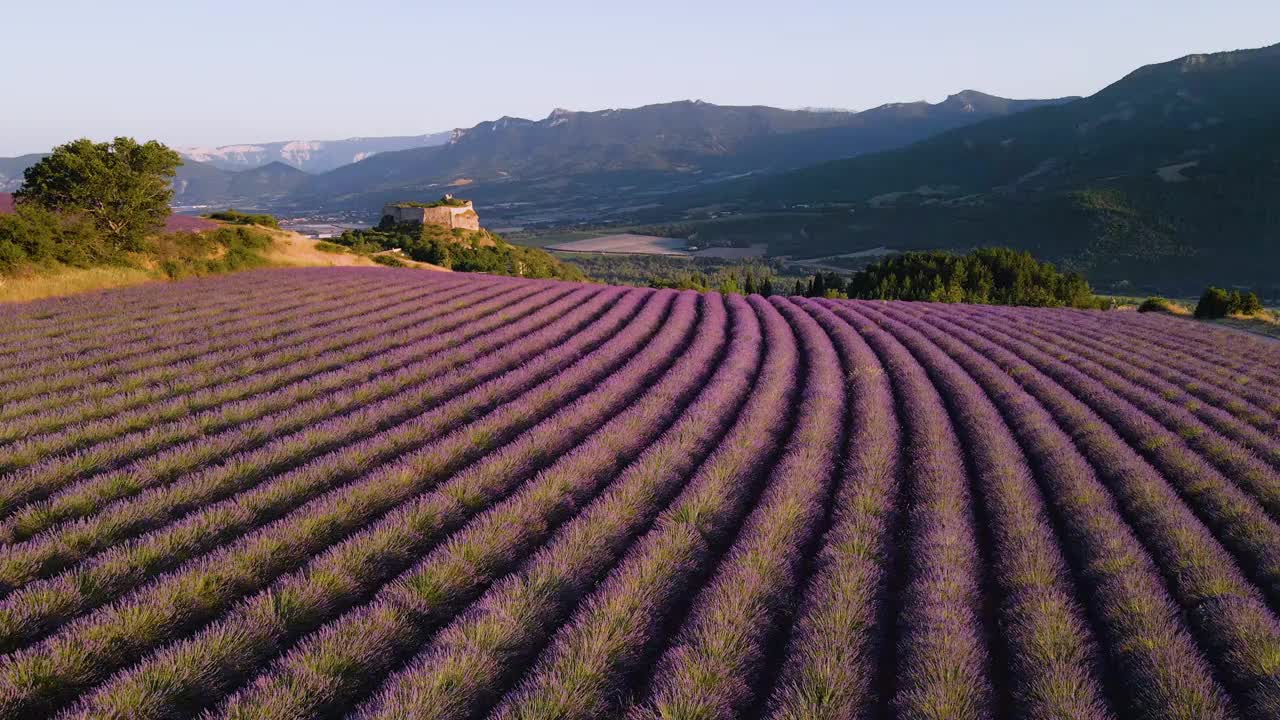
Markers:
point(444, 215)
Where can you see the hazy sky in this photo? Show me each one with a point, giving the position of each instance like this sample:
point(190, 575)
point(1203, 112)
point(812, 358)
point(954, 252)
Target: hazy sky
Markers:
point(231, 71)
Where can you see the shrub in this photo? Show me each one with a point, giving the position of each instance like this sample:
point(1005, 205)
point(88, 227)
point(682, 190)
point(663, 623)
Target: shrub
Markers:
point(1155, 304)
point(33, 235)
point(223, 250)
point(11, 256)
point(446, 201)
point(325, 246)
point(1219, 303)
point(390, 261)
point(1249, 304)
point(235, 217)
point(1214, 303)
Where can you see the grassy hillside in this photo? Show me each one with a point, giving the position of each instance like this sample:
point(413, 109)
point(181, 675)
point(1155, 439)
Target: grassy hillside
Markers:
point(180, 255)
point(463, 250)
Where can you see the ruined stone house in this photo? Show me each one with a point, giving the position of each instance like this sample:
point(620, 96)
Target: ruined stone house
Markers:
point(448, 212)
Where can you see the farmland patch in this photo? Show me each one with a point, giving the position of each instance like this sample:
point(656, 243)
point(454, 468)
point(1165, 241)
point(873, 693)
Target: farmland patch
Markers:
point(388, 493)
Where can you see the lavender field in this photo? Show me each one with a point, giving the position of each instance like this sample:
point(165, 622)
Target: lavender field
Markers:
point(378, 494)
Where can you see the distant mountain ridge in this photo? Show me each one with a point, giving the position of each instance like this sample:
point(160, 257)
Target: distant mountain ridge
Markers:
point(687, 134)
point(1187, 110)
point(204, 184)
point(313, 156)
point(606, 153)
point(1167, 179)
point(257, 174)
point(11, 170)
point(651, 147)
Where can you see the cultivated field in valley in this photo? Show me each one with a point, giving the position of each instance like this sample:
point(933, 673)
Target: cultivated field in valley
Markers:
point(381, 494)
point(625, 244)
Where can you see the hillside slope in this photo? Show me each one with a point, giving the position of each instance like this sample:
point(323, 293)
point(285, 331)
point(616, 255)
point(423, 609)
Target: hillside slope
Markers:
point(203, 184)
point(11, 169)
point(1168, 175)
point(1199, 109)
point(188, 246)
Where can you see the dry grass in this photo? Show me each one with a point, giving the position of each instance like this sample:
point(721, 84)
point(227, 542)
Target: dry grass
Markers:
point(290, 250)
point(69, 281)
point(1266, 323)
point(294, 250)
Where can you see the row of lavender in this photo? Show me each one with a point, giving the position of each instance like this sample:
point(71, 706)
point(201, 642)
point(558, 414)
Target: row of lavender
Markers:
point(394, 494)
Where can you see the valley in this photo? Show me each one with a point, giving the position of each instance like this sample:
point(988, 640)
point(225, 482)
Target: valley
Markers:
point(1126, 186)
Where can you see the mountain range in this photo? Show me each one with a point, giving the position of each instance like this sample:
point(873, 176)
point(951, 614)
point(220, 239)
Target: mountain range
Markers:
point(570, 164)
point(254, 173)
point(655, 148)
point(11, 169)
point(202, 184)
point(1192, 112)
point(1167, 178)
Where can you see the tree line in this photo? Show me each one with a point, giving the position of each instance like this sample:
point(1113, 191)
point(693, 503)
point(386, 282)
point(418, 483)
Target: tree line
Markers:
point(986, 276)
point(992, 276)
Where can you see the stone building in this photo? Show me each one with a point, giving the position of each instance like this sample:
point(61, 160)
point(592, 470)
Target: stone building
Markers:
point(448, 212)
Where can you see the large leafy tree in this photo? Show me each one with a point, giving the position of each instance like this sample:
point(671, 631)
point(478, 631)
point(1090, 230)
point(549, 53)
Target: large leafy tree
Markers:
point(123, 187)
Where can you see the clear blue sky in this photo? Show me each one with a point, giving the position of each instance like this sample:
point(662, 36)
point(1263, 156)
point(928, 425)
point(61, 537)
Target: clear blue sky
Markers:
point(231, 71)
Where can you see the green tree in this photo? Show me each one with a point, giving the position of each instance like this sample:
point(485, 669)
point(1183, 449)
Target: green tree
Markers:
point(436, 252)
point(818, 288)
point(729, 286)
point(1249, 304)
point(123, 188)
point(1214, 303)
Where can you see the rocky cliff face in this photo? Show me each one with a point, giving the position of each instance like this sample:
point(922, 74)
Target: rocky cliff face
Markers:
point(312, 156)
